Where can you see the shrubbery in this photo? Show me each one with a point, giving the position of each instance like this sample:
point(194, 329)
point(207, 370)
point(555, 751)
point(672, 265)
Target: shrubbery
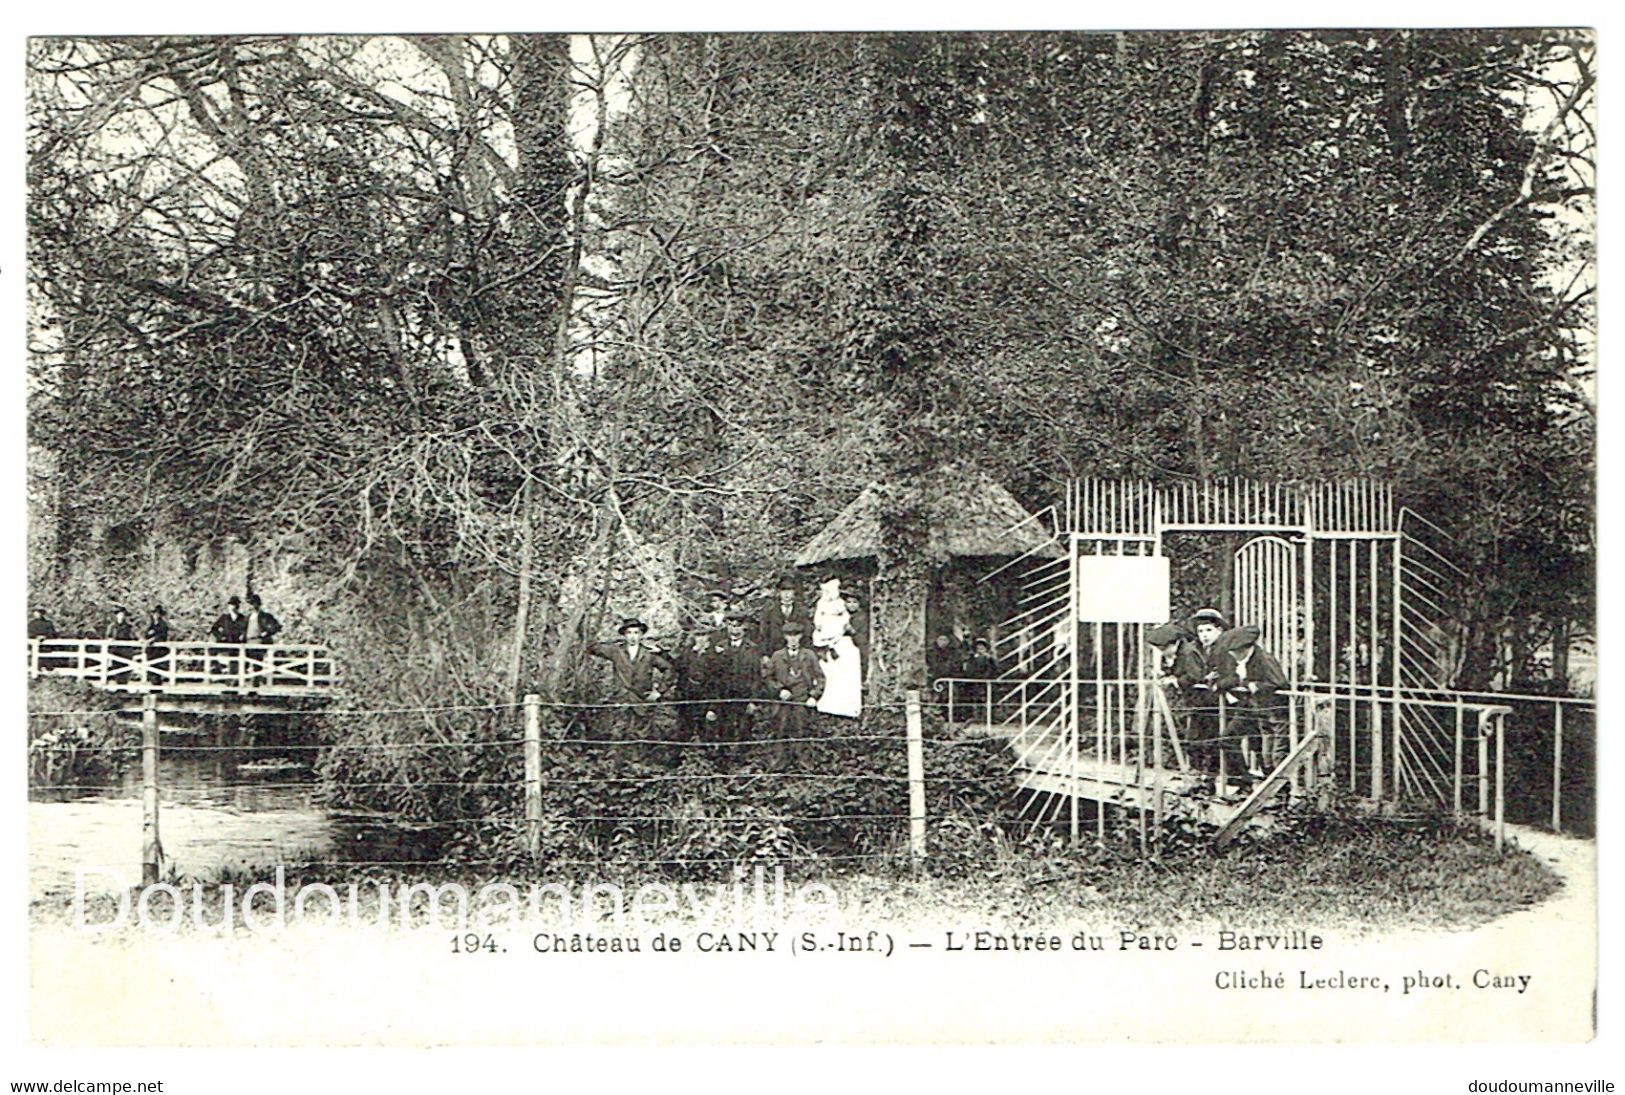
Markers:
point(90, 745)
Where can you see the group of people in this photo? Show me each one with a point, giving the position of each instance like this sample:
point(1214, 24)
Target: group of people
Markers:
point(739, 676)
point(1226, 688)
point(255, 629)
point(971, 663)
point(233, 625)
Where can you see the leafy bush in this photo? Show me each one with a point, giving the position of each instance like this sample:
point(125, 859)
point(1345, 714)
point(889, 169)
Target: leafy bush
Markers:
point(91, 744)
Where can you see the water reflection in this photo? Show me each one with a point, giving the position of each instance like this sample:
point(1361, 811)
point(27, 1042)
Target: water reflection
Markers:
point(222, 808)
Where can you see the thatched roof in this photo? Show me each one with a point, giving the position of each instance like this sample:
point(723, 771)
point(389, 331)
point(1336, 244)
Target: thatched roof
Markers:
point(969, 514)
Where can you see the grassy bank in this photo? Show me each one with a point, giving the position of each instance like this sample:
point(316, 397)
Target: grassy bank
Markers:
point(1351, 873)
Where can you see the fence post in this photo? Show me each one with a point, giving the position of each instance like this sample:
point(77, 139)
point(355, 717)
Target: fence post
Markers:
point(533, 774)
point(1500, 724)
point(916, 777)
point(1557, 767)
point(152, 850)
point(1483, 768)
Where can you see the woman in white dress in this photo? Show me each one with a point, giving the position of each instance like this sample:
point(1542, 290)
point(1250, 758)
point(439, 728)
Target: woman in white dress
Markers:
point(842, 665)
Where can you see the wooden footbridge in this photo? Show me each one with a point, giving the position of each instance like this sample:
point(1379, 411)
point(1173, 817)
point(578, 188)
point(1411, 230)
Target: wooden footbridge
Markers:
point(1349, 591)
point(192, 676)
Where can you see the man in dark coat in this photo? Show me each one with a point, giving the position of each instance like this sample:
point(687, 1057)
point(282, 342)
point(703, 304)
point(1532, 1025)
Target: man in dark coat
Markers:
point(122, 653)
point(638, 670)
point(1250, 678)
point(982, 668)
point(230, 627)
point(1179, 665)
point(737, 665)
point(715, 620)
point(785, 609)
point(795, 681)
point(259, 627)
point(40, 626)
point(158, 634)
point(694, 682)
point(1197, 674)
point(943, 660)
point(858, 624)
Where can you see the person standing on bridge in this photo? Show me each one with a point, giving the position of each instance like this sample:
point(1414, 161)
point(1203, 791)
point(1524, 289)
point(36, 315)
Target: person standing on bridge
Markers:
point(157, 633)
point(259, 630)
point(40, 625)
point(230, 626)
point(122, 631)
point(228, 629)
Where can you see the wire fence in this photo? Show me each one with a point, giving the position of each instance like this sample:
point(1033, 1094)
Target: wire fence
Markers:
point(636, 783)
point(720, 782)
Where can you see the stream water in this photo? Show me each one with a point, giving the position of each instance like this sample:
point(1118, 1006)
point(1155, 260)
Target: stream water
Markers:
point(225, 809)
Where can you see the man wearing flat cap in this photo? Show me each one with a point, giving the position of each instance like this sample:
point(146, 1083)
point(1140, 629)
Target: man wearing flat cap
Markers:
point(1197, 675)
point(638, 670)
point(1249, 679)
point(1178, 660)
point(794, 682)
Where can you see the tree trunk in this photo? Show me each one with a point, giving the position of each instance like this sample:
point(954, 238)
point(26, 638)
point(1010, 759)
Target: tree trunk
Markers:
point(901, 586)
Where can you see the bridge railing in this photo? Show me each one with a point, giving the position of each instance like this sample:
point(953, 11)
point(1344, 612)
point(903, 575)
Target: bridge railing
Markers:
point(126, 665)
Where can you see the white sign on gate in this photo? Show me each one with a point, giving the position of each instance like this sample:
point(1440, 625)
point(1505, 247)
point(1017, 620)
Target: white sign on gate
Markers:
point(1122, 589)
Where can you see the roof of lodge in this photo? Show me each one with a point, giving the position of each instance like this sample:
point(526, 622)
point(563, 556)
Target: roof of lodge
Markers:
point(968, 513)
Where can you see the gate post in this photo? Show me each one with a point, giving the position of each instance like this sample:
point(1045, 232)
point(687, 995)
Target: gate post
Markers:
point(533, 774)
point(916, 777)
point(152, 851)
point(1557, 766)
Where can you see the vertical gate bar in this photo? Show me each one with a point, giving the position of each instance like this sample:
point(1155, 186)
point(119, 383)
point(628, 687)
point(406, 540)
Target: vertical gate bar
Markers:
point(1150, 677)
point(1483, 769)
point(1461, 714)
point(1101, 737)
point(1353, 645)
point(1122, 688)
point(1395, 638)
point(1070, 707)
point(1378, 754)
